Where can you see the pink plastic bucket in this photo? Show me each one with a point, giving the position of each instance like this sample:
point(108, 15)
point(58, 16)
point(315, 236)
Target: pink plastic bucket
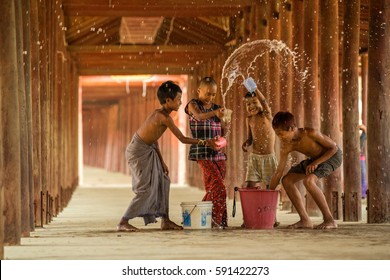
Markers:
point(258, 207)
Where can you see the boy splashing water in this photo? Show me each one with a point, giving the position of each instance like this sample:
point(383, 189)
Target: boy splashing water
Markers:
point(149, 172)
point(262, 161)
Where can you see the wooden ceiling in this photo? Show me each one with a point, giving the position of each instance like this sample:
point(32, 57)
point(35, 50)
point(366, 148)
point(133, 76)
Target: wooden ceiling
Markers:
point(127, 37)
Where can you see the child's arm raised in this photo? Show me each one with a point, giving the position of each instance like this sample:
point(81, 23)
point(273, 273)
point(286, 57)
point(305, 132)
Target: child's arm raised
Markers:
point(197, 114)
point(264, 104)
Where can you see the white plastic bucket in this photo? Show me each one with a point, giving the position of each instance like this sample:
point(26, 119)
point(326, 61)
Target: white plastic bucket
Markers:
point(197, 214)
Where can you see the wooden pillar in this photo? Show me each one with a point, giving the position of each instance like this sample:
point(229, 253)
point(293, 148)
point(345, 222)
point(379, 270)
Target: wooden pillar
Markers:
point(24, 167)
point(51, 75)
point(378, 113)
point(75, 148)
point(297, 107)
point(274, 58)
point(330, 124)
point(27, 74)
point(36, 113)
point(253, 22)
point(58, 130)
point(262, 63)
point(350, 105)
point(2, 165)
point(72, 113)
point(281, 65)
point(44, 106)
point(311, 92)
point(10, 124)
point(286, 37)
point(58, 54)
point(63, 163)
point(298, 44)
point(364, 76)
point(245, 26)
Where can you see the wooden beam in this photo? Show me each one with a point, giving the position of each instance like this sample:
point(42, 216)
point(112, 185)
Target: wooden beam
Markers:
point(81, 30)
point(151, 69)
point(203, 29)
point(145, 59)
point(168, 8)
point(137, 49)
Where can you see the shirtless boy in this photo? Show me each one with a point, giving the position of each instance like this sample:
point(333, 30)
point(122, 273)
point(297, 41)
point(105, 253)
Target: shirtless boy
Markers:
point(149, 172)
point(262, 161)
point(324, 156)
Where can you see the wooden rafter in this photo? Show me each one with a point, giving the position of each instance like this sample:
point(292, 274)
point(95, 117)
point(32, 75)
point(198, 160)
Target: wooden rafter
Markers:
point(167, 8)
point(186, 23)
point(144, 59)
point(92, 29)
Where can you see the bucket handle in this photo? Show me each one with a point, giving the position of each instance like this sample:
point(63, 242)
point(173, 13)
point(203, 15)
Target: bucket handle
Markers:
point(234, 202)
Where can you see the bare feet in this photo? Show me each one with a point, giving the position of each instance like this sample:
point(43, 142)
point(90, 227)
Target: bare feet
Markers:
point(167, 224)
point(126, 228)
point(327, 225)
point(301, 224)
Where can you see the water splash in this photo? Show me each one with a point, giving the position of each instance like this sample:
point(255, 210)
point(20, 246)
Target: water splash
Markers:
point(237, 66)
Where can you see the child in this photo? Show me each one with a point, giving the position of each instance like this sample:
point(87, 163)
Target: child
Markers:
point(262, 160)
point(323, 158)
point(149, 172)
point(205, 123)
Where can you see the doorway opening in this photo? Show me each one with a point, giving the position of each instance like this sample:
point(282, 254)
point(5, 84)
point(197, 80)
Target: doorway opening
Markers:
point(111, 110)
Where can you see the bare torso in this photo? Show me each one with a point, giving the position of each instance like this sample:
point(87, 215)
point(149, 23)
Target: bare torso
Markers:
point(263, 135)
point(152, 129)
point(305, 144)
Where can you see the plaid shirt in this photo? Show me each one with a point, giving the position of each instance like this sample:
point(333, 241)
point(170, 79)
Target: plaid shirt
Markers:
point(204, 129)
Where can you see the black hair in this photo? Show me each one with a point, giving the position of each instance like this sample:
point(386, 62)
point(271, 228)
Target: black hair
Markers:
point(283, 120)
point(167, 90)
point(250, 94)
point(207, 81)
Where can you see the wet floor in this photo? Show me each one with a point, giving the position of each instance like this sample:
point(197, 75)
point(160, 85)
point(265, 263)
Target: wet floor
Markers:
point(85, 230)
